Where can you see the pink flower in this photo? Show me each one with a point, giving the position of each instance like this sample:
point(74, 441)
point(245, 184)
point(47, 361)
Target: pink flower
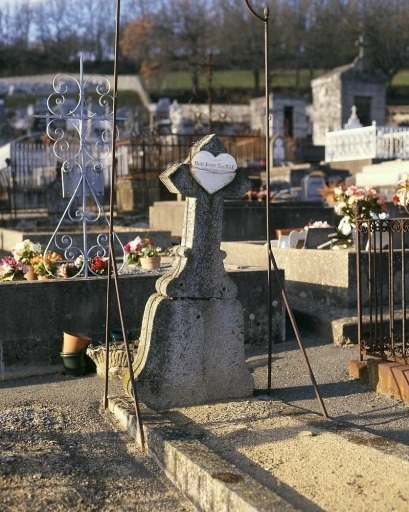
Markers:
point(134, 246)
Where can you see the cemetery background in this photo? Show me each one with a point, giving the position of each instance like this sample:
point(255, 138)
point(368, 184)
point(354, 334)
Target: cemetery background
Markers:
point(309, 182)
point(358, 486)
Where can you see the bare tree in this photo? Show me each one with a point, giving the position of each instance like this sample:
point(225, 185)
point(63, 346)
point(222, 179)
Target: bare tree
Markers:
point(163, 35)
point(138, 44)
point(386, 34)
point(185, 32)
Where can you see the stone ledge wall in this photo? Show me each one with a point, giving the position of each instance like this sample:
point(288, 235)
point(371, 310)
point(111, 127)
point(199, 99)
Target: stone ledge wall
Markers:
point(328, 277)
point(36, 313)
point(244, 220)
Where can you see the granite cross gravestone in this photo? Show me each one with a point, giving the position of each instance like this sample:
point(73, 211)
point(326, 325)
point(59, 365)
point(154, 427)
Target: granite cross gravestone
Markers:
point(192, 339)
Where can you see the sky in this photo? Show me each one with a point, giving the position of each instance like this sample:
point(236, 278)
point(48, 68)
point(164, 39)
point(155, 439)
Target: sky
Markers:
point(10, 2)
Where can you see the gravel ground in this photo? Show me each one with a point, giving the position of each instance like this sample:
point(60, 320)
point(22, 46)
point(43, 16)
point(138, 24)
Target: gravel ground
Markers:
point(345, 399)
point(314, 464)
point(59, 452)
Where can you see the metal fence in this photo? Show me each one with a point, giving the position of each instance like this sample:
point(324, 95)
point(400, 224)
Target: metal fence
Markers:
point(5, 202)
point(34, 167)
point(383, 289)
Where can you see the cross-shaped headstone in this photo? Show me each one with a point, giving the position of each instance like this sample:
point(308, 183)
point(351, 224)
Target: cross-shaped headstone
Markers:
point(207, 177)
point(191, 351)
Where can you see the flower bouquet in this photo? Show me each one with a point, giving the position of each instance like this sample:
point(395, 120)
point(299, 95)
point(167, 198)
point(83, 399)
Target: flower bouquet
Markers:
point(252, 195)
point(356, 203)
point(25, 251)
point(401, 196)
point(71, 268)
point(99, 265)
point(132, 249)
point(317, 224)
point(262, 195)
point(12, 270)
point(46, 264)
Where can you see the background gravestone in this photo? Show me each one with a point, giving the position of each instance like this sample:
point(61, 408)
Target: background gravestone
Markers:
point(192, 340)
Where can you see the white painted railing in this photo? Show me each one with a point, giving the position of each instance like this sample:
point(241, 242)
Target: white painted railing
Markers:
point(383, 142)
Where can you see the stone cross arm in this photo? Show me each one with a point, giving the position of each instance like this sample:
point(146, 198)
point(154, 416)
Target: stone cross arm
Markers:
point(207, 177)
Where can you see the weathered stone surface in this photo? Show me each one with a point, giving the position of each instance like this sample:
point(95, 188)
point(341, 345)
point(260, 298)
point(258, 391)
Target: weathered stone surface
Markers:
point(198, 271)
point(191, 352)
point(192, 343)
point(358, 370)
point(37, 312)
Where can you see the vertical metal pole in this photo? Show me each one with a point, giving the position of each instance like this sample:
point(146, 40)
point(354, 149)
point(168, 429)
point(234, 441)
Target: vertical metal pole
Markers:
point(112, 268)
point(268, 230)
point(265, 20)
point(82, 131)
point(271, 260)
point(359, 294)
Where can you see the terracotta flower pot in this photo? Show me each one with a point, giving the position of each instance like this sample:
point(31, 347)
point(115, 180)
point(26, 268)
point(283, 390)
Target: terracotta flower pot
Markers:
point(74, 342)
point(30, 275)
point(150, 263)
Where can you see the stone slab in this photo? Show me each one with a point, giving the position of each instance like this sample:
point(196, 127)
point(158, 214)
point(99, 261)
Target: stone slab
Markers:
point(299, 459)
point(358, 370)
point(208, 480)
point(386, 378)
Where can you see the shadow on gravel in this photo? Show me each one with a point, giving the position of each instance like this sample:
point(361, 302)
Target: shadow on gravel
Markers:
point(216, 443)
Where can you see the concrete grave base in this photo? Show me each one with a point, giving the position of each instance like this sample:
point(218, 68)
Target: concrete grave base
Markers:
point(191, 352)
point(385, 377)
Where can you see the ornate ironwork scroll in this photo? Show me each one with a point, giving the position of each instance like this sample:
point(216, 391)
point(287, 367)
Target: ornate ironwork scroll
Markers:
point(82, 141)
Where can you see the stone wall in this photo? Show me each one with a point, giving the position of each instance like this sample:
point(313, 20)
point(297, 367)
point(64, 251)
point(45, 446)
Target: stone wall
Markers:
point(244, 220)
point(327, 277)
point(36, 313)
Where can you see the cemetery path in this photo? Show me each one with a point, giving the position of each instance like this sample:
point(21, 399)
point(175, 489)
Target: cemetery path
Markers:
point(358, 460)
point(59, 452)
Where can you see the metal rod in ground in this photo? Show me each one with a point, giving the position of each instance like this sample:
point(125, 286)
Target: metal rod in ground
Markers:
point(265, 19)
point(107, 329)
point(297, 335)
point(112, 267)
point(128, 354)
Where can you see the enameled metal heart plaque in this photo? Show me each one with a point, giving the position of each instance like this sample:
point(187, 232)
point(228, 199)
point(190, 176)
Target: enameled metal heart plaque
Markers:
point(213, 172)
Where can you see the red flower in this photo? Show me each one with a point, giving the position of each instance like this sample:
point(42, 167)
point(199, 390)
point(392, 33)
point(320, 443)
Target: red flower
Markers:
point(99, 265)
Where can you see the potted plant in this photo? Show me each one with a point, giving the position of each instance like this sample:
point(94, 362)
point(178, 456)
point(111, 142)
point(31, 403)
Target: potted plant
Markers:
point(24, 252)
point(357, 204)
point(149, 254)
point(142, 251)
point(12, 270)
point(73, 353)
point(74, 342)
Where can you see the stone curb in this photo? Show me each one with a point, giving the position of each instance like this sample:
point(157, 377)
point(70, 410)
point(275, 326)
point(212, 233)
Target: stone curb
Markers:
point(210, 482)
